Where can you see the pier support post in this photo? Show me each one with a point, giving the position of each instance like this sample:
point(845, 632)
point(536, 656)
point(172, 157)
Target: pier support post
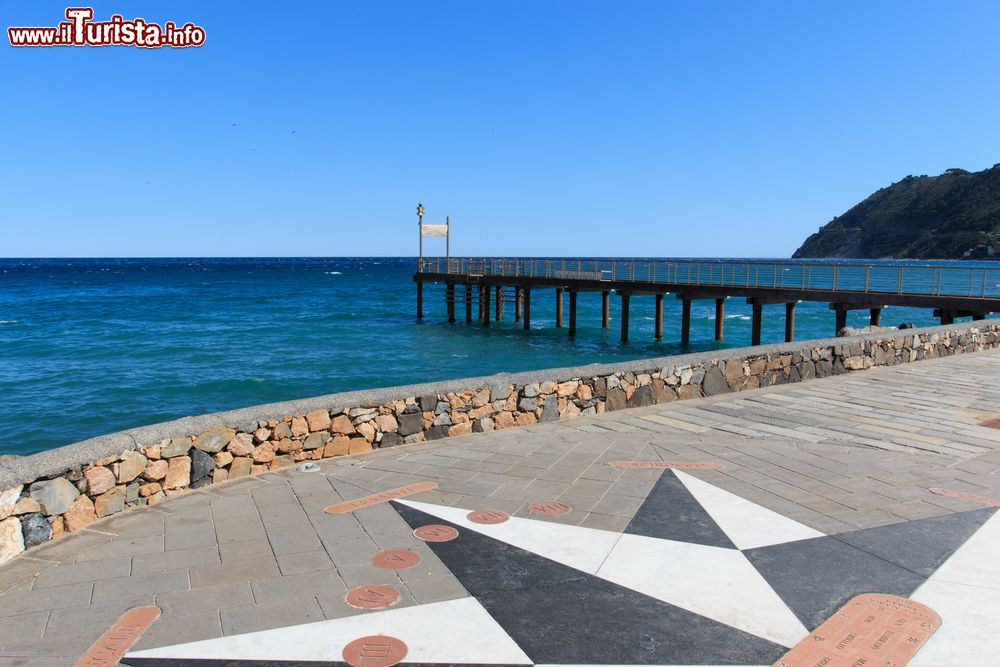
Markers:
point(841, 320)
point(527, 308)
point(518, 293)
point(420, 299)
point(947, 317)
point(449, 296)
point(559, 305)
point(572, 312)
point(484, 304)
point(789, 322)
point(976, 317)
point(625, 299)
point(605, 309)
point(755, 324)
point(499, 302)
point(876, 316)
point(468, 303)
point(720, 317)
point(685, 320)
point(658, 326)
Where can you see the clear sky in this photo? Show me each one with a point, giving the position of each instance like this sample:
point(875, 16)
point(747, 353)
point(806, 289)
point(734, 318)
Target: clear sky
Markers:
point(543, 128)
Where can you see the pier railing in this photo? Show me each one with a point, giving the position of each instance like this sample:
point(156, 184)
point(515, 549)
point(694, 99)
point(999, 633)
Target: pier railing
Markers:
point(941, 280)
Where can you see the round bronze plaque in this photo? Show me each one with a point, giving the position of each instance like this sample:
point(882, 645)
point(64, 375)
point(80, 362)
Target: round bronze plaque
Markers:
point(396, 559)
point(487, 516)
point(374, 651)
point(550, 508)
point(435, 533)
point(372, 597)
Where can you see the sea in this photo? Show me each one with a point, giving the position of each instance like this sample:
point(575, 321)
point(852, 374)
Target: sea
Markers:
point(93, 346)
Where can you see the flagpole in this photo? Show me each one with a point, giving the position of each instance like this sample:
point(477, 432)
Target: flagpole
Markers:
point(420, 230)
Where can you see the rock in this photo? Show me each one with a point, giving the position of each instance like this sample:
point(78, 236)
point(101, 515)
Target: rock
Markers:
point(240, 467)
point(316, 440)
point(688, 391)
point(442, 420)
point(427, 402)
point(503, 420)
point(550, 411)
point(35, 529)
point(264, 452)
point(526, 419)
point(282, 461)
point(460, 429)
point(147, 490)
point(11, 540)
point(318, 420)
point(286, 446)
point(642, 397)
point(484, 425)
point(8, 499)
point(857, 363)
point(80, 515)
point(111, 502)
point(616, 399)
point(714, 382)
point(281, 431)
point(155, 470)
point(219, 475)
point(528, 404)
point(367, 431)
point(342, 424)
point(299, 427)
point(214, 440)
point(132, 465)
point(481, 399)
point(222, 459)
point(488, 409)
point(241, 444)
point(410, 423)
point(26, 505)
point(437, 432)
point(338, 446)
point(177, 447)
point(260, 435)
point(547, 387)
point(152, 452)
point(390, 440)
point(178, 473)
point(565, 389)
point(734, 369)
point(99, 480)
point(359, 445)
point(202, 465)
point(585, 392)
point(55, 495)
point(530, 390)
point(387, 423)
point(572, 411)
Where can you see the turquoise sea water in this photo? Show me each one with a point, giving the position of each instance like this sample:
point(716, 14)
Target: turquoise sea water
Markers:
point(91, 346)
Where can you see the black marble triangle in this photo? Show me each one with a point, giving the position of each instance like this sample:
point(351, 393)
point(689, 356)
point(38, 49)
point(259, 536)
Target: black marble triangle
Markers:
point(558, 615)
point(670, 512)
point(922, 545)
point(816, 577)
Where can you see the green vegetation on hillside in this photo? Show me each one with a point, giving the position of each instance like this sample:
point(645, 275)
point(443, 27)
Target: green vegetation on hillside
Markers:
point(920, 217)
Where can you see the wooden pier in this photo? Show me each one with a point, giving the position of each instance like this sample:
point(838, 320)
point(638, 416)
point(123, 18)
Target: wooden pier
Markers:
point(951, 291)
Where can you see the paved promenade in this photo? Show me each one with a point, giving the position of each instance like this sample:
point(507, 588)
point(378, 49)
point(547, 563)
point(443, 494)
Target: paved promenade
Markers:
point(822, 494)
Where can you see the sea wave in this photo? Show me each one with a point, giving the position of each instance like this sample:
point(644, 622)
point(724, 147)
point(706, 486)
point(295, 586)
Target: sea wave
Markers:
point(8, 321)
point(332, 273)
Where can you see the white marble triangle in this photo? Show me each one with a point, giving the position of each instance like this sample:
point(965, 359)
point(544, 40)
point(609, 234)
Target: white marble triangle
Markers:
point(718, 583)
point(747, 524)
point(455, 631)
point(965, 592)
point(580, 548)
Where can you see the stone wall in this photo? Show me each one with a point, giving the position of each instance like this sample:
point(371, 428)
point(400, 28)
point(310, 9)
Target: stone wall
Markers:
point(48, 494)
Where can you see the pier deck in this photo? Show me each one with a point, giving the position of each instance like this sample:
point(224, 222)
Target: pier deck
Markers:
point(951, 291)
point(823, 487)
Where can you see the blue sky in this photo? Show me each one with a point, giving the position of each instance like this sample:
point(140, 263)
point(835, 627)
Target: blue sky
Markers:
point(543, 128)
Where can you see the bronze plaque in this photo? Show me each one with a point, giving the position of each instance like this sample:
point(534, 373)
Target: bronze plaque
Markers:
point(396, 559)
point(966, 496)
point(550, 508)
point(372, 597)
point(683, 465)
point(872, 629)
point(374, 651)
point(375, 499)
point(112, 645)
point(487, 516)
point(435, 533)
